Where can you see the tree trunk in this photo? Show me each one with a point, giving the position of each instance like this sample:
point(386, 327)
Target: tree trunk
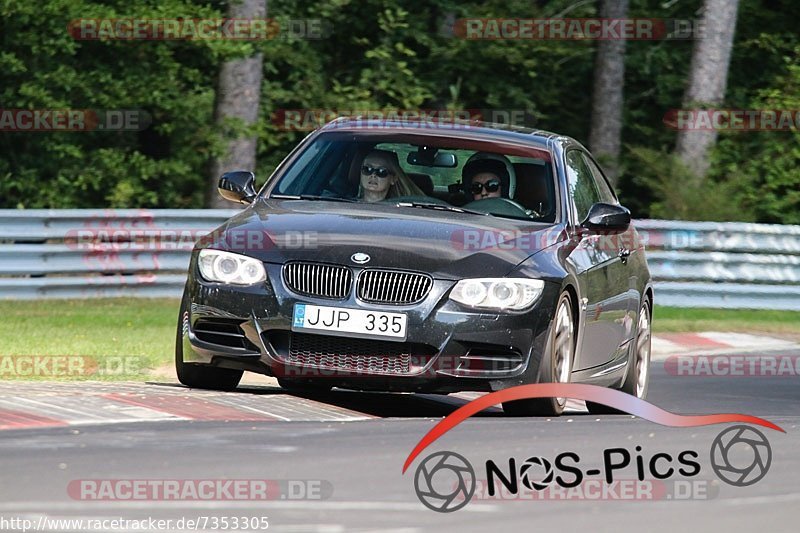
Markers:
point(708, 79)
point(605, 136)
point(237, 98)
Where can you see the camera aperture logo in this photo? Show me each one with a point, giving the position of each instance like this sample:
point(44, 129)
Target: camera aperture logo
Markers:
point(740, 456)
point(445, 482)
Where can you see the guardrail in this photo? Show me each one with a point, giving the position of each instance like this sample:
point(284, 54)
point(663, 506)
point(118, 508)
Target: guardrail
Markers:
point(724, 264)
point(82, 253)
point(79, 253)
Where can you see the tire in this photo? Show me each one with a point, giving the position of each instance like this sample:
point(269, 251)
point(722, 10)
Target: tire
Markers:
point(556, 365)
point(202, 376)
point(637, 375)
point(297, 385)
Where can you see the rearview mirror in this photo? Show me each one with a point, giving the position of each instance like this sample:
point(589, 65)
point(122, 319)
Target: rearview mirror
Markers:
point(441, 159)
point(607, 217)
point(238, 186)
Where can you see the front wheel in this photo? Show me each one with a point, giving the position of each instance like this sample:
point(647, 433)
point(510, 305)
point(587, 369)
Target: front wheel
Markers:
point(202, 376)
point(637, 375)
point(556, 364)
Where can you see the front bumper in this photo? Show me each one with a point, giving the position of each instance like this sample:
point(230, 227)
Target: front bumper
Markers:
point(448, 347)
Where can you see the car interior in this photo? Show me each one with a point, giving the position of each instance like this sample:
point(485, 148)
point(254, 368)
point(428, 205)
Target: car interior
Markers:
point(337, 174)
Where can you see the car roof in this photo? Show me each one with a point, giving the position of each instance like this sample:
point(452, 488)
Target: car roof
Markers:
point(471, 129)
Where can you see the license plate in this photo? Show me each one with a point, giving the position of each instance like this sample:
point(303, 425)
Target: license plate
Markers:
point(349, 322)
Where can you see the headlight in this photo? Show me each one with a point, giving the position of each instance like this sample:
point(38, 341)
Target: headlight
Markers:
point(225, 267)
point(513, 294)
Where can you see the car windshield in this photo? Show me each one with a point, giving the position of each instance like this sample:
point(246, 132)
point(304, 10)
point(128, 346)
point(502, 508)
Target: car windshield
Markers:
point(420, 171)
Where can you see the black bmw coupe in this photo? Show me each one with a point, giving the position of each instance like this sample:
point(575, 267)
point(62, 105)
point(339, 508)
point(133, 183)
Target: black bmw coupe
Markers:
point(403, 256)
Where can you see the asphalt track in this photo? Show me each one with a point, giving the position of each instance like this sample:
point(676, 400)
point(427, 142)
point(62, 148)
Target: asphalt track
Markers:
point(357, 443)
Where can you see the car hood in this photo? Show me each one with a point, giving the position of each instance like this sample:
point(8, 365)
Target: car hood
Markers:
point(445, 244)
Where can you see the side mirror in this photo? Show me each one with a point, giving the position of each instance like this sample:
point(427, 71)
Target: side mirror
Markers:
point(607, 217)
point(238, 186)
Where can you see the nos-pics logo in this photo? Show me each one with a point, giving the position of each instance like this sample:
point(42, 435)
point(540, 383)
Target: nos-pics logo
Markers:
point(445, 481)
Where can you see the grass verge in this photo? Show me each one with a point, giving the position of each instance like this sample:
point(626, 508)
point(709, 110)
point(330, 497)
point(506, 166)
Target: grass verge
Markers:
point(678, 319)
point(126, 337)
point(122, 337)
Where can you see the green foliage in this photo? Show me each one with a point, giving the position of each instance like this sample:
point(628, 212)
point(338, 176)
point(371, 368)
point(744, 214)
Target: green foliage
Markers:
point(754, 176)
point(679, 195)
point(767, 164)
point(46, 68)
point(381, 54)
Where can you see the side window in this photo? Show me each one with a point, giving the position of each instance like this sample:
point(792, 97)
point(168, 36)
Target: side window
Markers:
point(295, 179)
point(606, 195)
point(582, 188)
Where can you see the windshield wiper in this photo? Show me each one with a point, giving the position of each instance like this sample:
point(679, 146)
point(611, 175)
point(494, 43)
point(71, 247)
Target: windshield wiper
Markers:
point(440, 207)
point(312, 197)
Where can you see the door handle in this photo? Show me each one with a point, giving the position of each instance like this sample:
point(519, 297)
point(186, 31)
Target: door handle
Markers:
point(624, 253)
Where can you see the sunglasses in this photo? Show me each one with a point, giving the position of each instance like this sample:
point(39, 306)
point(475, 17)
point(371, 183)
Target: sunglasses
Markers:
point(381, 172)
point(490, 186)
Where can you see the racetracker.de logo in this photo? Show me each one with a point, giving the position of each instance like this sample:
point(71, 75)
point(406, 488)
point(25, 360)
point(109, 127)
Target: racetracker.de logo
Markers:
point(578, 29)
point(73, 120)
point(141, 239)
point(68, 366)
point(310, 119)
point(733, 119)
point(753, 365)
point(482, 240)
point(211, 29)
point(199, 489)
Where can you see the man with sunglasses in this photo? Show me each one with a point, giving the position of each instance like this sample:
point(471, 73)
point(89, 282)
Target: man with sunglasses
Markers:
point(485, 178)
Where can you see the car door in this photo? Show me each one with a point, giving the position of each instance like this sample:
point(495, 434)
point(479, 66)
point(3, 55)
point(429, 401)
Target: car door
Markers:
point(622, 273)
point(603, 306)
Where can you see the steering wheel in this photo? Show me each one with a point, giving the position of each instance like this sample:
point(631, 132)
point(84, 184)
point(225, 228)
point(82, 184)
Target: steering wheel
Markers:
point(499, 205)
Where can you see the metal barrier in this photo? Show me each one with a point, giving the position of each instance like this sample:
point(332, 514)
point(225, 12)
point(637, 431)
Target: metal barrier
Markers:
point(80, 253)
point(83, 253)
point(724, 264)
